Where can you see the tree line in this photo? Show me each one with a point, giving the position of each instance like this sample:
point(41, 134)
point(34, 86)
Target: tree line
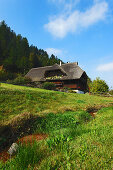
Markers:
point(17, 56)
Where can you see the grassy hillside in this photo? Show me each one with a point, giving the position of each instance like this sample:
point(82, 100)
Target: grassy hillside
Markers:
point(75, 139)
point(16, 100)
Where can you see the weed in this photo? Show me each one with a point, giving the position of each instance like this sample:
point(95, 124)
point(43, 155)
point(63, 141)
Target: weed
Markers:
point(27, 155)
point(84, 116)
point(59, 142)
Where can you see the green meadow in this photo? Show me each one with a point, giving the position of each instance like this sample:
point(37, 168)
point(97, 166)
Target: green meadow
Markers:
point(18, 100)
point(76, 140)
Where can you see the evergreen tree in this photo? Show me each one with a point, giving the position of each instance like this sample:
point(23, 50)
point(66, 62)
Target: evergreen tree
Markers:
point(17, 56)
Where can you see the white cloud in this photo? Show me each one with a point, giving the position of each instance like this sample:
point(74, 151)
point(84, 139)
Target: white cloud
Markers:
point(105, 67)
point(95, 14)
point(54, 51)
point(60, 26)
point(66, 5)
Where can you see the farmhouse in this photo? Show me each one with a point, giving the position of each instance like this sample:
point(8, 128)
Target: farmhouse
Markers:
point(68, 75)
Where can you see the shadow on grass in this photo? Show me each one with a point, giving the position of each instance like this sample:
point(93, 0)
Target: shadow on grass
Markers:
point(16, 129)
point(69, 124)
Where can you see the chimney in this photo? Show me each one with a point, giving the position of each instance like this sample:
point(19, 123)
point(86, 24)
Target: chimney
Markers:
point(60, 63)
point(77, 63)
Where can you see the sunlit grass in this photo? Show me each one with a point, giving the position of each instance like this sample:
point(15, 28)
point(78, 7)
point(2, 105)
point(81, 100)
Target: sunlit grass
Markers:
point(74, 142)
point(16, 100)
point(75, 139)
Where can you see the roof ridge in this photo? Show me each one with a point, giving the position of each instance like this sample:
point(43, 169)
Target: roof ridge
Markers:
point(55, 64)
point(42, 67)
point(70, 63)
point(46, 66)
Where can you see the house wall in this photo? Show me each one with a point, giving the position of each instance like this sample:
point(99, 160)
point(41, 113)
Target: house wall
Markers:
point(73, 84)
point(83, 82)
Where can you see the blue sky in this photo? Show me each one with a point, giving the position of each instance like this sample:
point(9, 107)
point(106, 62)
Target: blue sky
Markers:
point(74, 30)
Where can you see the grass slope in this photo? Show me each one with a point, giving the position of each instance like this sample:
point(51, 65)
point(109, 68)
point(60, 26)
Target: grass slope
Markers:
point(17, 100)
point(75, 139)
point(74, 142)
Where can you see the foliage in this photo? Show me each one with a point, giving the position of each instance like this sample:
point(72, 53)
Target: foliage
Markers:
point(99, 86)
point(17, 56)
point(48, 86)
point(111, 92)
point(4, 75)
point(20, 80)
point(89, 83)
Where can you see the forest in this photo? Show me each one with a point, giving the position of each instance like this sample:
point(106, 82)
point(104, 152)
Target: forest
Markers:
point(17, 56)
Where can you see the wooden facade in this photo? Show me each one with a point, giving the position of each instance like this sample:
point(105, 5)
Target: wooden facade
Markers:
point(55, 76)
point(72, 84)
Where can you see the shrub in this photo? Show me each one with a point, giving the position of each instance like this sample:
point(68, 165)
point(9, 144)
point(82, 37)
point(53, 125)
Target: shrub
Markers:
point(99, 86)
point(89, 84)
point(48, 86)
point(20, 80)
point(66, 89)
point(4, 75)
point(111, 92)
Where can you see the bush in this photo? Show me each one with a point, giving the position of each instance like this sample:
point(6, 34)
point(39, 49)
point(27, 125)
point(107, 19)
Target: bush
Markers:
point(20, 80)
point(48, 86)
point(89, 83)
point(111, 92)
point(4, 75)
point(99, 86)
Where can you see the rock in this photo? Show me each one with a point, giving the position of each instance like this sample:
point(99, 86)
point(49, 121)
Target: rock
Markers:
point(13, 148)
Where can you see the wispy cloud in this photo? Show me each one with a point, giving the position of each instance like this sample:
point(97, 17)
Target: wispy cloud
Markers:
point(54, 51)
point(60, 26)
point(58, 1)
point(105, 67)
point(64, 2)
point(66, 5)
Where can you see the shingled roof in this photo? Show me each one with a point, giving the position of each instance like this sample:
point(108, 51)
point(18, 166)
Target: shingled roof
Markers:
point(70, 70)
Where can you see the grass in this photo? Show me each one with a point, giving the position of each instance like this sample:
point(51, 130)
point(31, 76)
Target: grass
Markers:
point(75, 139)
point(70, 145)
point(52, 123)
point(27, 156)
point(17, 100)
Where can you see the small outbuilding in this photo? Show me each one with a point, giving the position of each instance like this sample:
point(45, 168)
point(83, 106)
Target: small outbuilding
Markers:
point(68, 75)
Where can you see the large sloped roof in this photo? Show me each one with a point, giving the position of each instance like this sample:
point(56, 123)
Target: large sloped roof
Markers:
point(71, 71)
